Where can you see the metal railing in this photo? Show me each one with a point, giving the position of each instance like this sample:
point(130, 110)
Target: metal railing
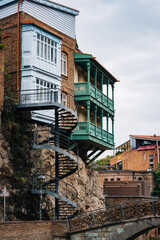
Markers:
point(43, 95)
point(115, 214)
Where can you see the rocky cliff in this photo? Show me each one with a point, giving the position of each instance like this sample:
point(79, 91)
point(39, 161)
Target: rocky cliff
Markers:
point(18, 161)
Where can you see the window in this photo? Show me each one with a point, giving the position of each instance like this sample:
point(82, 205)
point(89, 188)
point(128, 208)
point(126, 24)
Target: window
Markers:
point(46, 49)
point(44, 92)
point(120, 165)
point(64, 63)
point(64, 99)
point(151, 160)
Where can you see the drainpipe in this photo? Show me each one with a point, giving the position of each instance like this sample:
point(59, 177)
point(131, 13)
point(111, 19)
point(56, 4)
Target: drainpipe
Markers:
point(157, 151)
point(18, 39)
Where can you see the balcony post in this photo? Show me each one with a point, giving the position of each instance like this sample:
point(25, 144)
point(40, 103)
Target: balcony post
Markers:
point(95, 119)
point(101, 123)
point(113, 128)
point(102, 88)
point(88, 80)
point(107, 93)
point(88, 115)
point(95, 82)
point(107, 118)
point(113, 94)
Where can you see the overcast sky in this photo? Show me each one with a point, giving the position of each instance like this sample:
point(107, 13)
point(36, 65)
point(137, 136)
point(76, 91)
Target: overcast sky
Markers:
point(124, 35)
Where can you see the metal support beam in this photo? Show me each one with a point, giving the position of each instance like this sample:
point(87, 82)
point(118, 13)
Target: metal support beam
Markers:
point(93, 152)
point(98, 154)
point(56, 164)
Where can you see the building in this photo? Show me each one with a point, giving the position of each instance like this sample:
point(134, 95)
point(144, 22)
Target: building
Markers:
point(95, 130)
point(45, 65)
point(141, 153)
point(47, 75)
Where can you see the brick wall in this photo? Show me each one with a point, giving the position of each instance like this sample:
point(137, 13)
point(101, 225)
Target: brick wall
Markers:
point(34, 230)
point(9, 33)
point(129, 188)
point(126, 176)
point(136, 160)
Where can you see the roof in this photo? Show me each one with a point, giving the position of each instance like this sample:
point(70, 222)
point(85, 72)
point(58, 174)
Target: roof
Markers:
point(80, 55)
point(146, 137)
point(47, 3)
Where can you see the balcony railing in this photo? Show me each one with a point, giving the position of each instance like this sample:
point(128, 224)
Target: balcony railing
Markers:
point(95, 131)
point(82, 89)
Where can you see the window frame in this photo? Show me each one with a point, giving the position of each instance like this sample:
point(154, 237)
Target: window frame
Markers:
point(47, 49)
point(64, 63)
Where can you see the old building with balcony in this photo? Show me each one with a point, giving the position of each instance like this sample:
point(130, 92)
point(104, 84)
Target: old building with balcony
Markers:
point(94, 94)
point(45, 66)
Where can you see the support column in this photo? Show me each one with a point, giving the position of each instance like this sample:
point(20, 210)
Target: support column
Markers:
point(113, 128)
point(95, 82)
point(95, 119)
point(113, 95)
point(88, 115)
point(107, 93)
point(88, 79)
point(102, 88)
point(56, 164)
point(102, 123)
point(107, 123)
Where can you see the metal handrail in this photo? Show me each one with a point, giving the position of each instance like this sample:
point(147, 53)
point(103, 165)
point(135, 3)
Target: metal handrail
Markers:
point(116, 213)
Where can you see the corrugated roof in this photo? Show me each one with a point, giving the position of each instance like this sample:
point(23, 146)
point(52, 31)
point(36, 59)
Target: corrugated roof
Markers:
point(47, 3)
point(146, 137)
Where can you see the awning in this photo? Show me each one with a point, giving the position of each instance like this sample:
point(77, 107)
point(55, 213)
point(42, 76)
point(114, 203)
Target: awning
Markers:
point(149, 147)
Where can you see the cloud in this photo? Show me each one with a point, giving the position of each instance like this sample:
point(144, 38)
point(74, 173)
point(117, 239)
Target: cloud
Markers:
point(125, 37)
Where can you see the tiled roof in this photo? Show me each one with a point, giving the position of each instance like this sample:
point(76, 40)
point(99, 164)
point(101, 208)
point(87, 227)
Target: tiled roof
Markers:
point(149, 137)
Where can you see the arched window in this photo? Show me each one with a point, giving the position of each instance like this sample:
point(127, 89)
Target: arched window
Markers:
point(64, 63)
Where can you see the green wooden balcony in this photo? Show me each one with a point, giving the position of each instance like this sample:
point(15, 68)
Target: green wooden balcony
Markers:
point(84, 89)
point(89, 131)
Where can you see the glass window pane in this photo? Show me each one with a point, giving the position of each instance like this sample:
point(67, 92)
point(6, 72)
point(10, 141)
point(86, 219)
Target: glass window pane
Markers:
point(38, 35)
point(38, 48)
point(41, 49)
point(65, 70)
point(49, 49)
point(45, 51)
point(51, 54)
point(55, 56)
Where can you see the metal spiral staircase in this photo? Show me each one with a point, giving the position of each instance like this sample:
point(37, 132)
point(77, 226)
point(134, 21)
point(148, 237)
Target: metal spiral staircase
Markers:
point(54, 136)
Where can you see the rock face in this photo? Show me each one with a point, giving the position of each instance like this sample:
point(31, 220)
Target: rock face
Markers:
point(85, 181)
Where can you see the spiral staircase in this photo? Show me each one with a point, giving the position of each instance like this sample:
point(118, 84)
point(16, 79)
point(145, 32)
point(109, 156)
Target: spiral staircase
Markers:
point(54, 136)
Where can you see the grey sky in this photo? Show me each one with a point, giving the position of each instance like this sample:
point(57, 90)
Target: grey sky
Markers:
point(124, 35)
